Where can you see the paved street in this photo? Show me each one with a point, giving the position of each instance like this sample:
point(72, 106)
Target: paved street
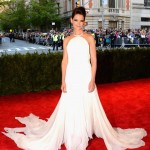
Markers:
point(22, 47)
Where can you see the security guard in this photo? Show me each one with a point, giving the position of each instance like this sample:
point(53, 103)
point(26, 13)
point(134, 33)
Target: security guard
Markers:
point(55, 41)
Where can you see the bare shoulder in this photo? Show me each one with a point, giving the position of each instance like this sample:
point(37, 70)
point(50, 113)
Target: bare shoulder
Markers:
point(67, 39)
point(89, 37)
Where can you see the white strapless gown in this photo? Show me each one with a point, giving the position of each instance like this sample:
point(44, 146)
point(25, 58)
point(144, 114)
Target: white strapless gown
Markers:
point(77, 116)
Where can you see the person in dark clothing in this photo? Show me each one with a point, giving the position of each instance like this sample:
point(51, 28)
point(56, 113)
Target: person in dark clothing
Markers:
point(113, 38)
point(0, 39)
point(11, 37)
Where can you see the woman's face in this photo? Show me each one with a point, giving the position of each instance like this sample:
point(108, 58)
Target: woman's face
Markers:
point(78, 22)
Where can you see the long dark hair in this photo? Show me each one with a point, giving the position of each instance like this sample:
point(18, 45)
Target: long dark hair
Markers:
point(79, 10)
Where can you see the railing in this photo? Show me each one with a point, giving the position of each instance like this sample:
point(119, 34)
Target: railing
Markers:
point(123, 42)
point(115, 11)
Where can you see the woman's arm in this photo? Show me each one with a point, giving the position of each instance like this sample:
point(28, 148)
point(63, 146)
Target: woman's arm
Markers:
point(64, 65)
point(93, 63)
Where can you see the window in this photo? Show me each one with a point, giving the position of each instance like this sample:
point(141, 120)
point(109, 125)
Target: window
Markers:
point(112, 4)
point(105, 3)
point(100, 2)
point(146, 2)
point(112, 24)
point(145, 19)
point(69, 5)
point(121, 4)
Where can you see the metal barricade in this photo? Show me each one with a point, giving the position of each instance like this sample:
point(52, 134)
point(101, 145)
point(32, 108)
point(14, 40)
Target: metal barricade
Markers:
point(118, 42)
point(131, 42)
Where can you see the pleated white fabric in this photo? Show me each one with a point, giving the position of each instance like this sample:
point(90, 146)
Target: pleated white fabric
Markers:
point(78, 115)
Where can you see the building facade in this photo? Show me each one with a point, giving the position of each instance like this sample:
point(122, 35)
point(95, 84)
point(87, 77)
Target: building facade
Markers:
point(110, 13)
point(140, 14)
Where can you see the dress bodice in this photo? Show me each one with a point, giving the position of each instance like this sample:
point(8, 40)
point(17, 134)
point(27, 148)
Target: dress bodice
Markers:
point(78, 51)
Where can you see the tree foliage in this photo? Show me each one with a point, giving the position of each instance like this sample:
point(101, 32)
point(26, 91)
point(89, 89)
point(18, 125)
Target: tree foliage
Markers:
point(18, 14)
point(42, 13)
point(14, 14)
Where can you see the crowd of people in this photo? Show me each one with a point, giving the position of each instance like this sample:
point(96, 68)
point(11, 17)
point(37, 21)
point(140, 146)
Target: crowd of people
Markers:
point(104, 38)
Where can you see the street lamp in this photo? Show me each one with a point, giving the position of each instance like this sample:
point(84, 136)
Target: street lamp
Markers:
point(102, 14)
point(78, 4)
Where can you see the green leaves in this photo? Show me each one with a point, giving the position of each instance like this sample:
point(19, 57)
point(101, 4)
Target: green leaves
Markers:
point(43, 13)
point(18, 14)
point(36, 72)
point(29, 72)
point(14, 15)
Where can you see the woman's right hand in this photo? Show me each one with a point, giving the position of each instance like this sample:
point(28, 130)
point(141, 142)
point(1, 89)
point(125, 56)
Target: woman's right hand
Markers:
point(63, 87)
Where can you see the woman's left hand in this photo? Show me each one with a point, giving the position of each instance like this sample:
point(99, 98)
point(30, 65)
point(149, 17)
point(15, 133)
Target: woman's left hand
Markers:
point(91, 86)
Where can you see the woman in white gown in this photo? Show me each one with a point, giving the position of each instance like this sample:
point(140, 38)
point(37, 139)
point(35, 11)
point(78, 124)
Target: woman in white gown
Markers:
point(79, 113)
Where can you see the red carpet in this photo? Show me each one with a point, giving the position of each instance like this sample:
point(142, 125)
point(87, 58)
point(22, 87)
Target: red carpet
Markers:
point(127, 105)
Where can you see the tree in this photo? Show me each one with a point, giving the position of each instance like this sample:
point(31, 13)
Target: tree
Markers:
point(14, 15)
point(36, 14)
point(43, 13)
